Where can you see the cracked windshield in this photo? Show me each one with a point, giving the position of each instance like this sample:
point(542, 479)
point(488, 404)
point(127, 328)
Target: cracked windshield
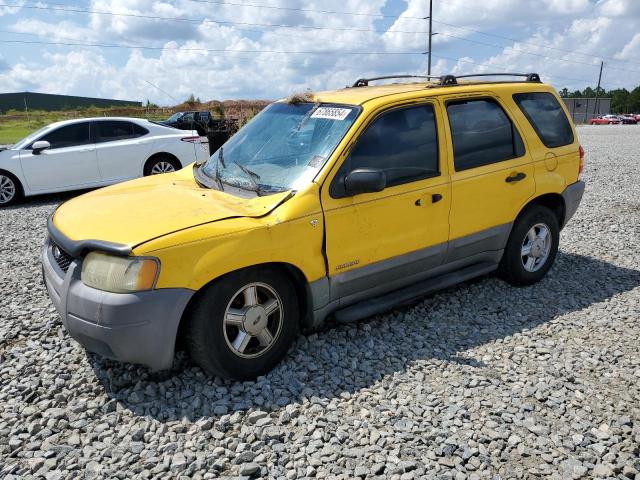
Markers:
point(282, 148)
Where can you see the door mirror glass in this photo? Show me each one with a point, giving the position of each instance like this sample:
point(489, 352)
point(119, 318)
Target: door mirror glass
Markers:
point(39, 146)
point(365, 180)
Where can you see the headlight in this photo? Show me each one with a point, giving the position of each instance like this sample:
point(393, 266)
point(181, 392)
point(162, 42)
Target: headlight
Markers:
point(119, 274)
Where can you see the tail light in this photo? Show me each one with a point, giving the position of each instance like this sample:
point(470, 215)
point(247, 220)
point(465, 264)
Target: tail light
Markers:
point(191, 139)
point(581, 167)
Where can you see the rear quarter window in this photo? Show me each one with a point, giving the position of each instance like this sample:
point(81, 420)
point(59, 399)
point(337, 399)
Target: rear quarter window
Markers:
point(547, 118)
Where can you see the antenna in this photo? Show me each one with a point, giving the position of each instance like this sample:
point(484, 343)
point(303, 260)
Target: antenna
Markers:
point(166, 93)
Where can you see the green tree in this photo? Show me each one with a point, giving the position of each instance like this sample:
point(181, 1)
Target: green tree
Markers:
point(564, 93)
point(619, 100)
point(633, 102)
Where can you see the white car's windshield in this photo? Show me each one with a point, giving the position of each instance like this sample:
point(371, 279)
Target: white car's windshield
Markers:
point(30, 138)
point(282, 148)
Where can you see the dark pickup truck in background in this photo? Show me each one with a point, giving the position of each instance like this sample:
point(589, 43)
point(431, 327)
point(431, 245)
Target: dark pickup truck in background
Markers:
point(217, 130)
point(193, 120)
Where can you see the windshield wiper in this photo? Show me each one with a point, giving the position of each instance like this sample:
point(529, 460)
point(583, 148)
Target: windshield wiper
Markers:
point(253, 178)
point(220, 160)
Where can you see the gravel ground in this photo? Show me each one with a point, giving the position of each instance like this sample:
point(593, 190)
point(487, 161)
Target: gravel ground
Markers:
point(480, 381)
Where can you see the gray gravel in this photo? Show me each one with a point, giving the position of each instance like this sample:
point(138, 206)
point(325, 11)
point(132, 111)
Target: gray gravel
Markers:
point(482, 380)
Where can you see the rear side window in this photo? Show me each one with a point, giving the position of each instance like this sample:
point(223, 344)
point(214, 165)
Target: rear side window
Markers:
point(403, 143)
point(69, 136)
point(482, 134)
point(547, 118)
point(111, 130)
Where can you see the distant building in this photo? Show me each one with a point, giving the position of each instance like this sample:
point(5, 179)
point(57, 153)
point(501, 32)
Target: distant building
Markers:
point(584, 109)
point(45, 101)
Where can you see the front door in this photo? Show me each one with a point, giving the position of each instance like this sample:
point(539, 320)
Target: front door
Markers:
point(380, 241)
point(69, 163)
point(492, 175)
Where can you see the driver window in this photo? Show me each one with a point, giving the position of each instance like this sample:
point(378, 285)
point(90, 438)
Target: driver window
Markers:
point(69, 136)
point(402, 142)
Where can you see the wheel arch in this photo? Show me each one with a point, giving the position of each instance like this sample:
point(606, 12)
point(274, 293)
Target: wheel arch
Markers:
point(295, 275)
point(157, 155)
point(15, 178)
point(552, 201)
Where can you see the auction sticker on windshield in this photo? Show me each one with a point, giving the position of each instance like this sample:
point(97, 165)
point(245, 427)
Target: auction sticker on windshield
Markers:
point(332, 113)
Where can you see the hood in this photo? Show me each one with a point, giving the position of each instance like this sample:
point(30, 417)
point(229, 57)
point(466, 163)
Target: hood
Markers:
point(134, 212)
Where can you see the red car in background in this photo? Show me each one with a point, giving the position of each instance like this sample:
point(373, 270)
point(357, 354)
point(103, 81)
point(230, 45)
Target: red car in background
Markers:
point(605, 120)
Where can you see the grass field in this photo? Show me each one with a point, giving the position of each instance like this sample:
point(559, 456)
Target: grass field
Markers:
point(12, 133)
point(16, 125)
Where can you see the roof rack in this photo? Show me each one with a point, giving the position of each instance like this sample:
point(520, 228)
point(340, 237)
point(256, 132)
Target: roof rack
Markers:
point(453, 79)
point(364, 82)
point(449, 80)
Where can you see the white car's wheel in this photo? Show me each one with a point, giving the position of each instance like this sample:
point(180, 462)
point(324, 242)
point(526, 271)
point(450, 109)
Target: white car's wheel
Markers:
point(9, 189)
point(161, 164)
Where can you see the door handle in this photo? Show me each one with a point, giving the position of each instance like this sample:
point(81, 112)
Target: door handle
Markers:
point(516, 177)
point(435, 198)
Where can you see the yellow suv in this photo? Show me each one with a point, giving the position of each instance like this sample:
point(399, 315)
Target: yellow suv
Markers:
point(340, 203)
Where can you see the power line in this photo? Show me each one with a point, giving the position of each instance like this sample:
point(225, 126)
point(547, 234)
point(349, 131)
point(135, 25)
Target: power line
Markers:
point(526, 52)
point(202, 20)
point(511, 39)
point(307, 10)
point(464, 60)
point(217, 50)
point(221, 22)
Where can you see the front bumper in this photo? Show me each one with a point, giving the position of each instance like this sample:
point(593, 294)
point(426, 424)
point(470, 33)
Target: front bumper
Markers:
point(572, 196)
point(133, 327)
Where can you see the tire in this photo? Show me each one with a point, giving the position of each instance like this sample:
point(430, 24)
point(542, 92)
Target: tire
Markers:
point(161, 164)
point(10, 189)
point(225, 333)
point(528, 235)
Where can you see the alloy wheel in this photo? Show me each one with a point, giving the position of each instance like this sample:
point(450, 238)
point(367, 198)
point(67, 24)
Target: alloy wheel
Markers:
point(7, 189)
point(162, 167)
point(536, 247)
point(253, 320)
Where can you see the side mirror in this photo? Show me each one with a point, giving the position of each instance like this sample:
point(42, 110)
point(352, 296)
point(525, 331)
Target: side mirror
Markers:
point(365, 180)
point(39, 146)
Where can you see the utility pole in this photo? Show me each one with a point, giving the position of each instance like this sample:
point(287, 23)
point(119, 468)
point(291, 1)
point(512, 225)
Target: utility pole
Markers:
point(430, 35)
point(596, 110)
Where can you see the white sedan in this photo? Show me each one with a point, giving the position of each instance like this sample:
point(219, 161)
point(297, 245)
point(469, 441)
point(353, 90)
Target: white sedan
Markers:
point(93, 152)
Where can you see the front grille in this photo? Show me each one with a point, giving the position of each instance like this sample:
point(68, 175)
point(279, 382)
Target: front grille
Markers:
point(62, 258)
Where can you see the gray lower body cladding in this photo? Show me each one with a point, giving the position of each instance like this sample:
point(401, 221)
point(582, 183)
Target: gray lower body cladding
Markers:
point(572, 196)
point(135, 328)
point(432, 267)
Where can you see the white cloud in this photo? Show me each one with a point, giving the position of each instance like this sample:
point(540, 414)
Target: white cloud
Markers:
point(554, 33)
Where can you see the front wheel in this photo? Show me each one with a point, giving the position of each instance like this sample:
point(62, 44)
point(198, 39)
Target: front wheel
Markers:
point(9, 189)
point(243, 324)
point(532, 247)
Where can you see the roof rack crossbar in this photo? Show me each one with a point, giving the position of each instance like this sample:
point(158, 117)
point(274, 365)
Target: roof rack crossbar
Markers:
point(453, 79)
point(364, 82)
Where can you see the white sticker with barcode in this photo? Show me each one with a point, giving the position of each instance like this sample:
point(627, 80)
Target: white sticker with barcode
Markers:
point(332, 113)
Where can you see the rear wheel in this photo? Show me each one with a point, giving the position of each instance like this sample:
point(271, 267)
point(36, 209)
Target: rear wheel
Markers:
point(161, 164)
point(10, 189)
point(243, 324)
point(532, 246)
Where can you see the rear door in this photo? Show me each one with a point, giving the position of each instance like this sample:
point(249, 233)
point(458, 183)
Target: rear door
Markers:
point(492, 174)
point(554, 144)
point(380, 241)
point(122, 148)
point(69, 163)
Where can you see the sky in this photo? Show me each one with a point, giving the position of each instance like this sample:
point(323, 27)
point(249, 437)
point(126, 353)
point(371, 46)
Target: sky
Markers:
point(268, 49)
